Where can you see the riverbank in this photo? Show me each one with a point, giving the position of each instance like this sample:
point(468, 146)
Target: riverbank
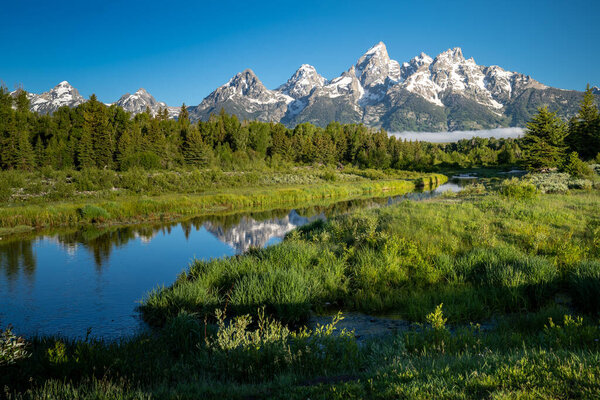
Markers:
point(121, 206)
point(527, 267)
point(479, 253)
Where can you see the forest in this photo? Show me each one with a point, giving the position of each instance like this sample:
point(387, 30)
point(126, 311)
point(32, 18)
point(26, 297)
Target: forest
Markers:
point(94, 135)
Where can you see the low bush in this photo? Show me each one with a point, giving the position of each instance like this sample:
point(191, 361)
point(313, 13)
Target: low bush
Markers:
point(516, 188)
point(12, 348)
point(550, 182)
point(245, 354)
point(573, 332)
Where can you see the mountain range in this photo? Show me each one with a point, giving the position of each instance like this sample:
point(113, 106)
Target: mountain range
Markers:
point(448, 92)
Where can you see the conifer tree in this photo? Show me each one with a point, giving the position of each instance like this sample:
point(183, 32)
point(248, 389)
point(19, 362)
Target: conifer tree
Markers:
point(96, 125)
point(184, 116)
point(196, 152)
point(584, 128)
point(24, 157)
point(543, 142)
point(85, 149)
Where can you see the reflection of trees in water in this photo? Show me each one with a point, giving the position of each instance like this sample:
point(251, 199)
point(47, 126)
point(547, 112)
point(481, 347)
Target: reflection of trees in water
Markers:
point(16, 256)
point(100, 242)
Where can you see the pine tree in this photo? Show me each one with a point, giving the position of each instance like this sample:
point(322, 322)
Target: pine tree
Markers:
point(543, 142)
point(24, 158)
point(584, 128)
point(96, 123)
point(85, 150)
point(184, 116)
point(196, 152)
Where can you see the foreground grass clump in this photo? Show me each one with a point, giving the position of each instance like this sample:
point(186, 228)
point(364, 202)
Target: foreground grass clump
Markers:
point(287, 279)
point(480, 255)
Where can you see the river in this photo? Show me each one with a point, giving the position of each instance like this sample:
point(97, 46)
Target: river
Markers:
point(88, 281)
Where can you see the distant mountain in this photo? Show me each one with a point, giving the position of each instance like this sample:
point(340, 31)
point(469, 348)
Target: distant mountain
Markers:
point(448, 92)
point(61, 95)
point(138, 102)
point(245, 96)
point(64, 94)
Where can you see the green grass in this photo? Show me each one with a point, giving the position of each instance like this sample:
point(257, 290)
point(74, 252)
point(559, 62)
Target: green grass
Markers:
point(504, 292)
point(481, 255)
point(525, 356)
point(108, 207)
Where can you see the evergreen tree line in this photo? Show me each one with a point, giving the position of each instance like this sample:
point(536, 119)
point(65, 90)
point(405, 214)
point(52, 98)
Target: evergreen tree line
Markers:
point(549, 143)
point(94, 135)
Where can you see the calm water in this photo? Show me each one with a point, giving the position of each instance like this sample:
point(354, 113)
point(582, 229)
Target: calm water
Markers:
point(67, 282)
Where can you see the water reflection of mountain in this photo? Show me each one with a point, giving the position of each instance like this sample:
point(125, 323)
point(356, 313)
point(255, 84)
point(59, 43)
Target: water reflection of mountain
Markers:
point(252, 233)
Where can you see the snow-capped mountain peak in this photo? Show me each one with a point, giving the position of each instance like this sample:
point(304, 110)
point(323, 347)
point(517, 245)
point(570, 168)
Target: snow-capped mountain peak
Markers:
point(248, 95)
point(61, 95)
point(246, 84)
point(375, 67)
point(304, 80)
point(454, 55)
point(140, 101)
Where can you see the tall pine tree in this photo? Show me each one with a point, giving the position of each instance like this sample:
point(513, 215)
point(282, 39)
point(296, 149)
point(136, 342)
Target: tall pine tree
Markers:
point(584, 129)
point(544, 141)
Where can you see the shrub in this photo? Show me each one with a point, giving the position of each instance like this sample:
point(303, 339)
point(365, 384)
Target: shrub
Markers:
point(246, 354)
point(354, 229)
point(434, 336)
point(518, 189)
point(329, 176)
point(550, 182)
point(573, 332)
point(577, 168)
point(12, 348)
point(146, 160)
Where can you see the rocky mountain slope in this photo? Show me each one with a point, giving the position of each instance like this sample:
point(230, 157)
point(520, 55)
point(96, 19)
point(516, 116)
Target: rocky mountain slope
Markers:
point(448, 92)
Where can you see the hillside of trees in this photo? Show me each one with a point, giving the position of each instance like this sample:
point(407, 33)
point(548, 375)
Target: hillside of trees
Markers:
point(94, 135)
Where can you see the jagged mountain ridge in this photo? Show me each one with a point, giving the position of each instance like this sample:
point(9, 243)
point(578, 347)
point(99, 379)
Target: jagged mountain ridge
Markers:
point(64, 94)
point(447, 92)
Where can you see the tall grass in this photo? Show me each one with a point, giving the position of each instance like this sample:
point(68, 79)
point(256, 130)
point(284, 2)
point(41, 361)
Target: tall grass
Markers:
point(482, 257)
point(110, 207)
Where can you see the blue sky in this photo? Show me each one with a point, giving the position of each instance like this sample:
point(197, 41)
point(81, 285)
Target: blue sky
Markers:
point(181, 51)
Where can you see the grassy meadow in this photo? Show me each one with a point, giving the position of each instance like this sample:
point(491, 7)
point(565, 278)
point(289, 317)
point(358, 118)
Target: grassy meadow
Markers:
point(69, 198)
point(501, 282)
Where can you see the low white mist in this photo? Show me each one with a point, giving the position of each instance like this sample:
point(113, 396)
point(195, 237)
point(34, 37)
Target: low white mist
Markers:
point(454, 136)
